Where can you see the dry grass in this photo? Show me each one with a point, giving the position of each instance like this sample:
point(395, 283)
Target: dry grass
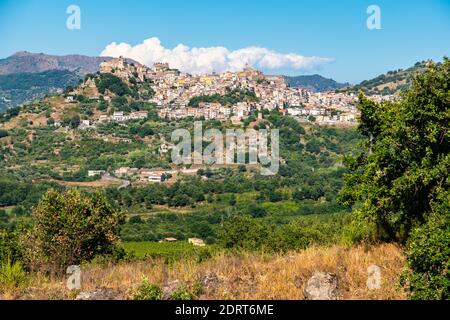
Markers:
point(246, 276)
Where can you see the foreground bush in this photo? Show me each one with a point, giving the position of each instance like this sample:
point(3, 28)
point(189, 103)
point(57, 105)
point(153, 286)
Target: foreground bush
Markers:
point(10, 248)
point(246, 233)
point(147, 291)
point(12, 276)
point(400, 182)
point(71, 228)
point(428, 255)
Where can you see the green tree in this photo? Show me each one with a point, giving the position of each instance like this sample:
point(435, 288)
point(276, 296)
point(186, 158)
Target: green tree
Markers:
point(243, 232)
point(401, 180)
point(406, 163)
point(108, 81)
point(428, 253)
point(70, 228)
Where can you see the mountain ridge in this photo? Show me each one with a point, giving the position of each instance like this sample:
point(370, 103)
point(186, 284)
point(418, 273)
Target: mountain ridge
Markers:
point(315, 82)
point(27, 62)
point(389, 83)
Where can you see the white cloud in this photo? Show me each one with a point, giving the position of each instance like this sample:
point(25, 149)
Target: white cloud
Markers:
point(207, 60)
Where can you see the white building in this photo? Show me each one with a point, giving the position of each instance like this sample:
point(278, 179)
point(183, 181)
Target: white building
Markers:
point(156, 177)
point(118, 116)
point(93, 173)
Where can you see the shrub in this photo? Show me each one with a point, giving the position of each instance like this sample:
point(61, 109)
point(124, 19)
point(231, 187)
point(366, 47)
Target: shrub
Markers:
point(428, 255)
point(50, 121)
point(182, 293)
point(10, 248)
point(204, 254)
point(107, 81)
point(70, 228)
point(147, 291)
point(243, 232)
point(358, 231)
point(135, 220)
point(3, 133)
point(12, 276)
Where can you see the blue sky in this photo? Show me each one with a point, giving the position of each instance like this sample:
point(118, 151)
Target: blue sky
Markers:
point(336, 29)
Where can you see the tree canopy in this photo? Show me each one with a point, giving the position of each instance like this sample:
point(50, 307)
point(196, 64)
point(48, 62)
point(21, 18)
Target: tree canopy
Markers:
point(400, 183)
point(406, 163)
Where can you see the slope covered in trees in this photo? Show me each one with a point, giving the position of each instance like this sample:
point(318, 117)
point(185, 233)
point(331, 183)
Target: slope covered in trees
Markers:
point(18, 88)
point(392, 82)
point(314, 82)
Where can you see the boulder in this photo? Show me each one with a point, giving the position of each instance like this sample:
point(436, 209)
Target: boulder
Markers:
point(210, 281)
point(170, 288)
point(322, 286)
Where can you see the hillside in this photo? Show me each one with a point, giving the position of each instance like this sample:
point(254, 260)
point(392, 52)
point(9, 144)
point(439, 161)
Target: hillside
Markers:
point(391, 82)
point(315, 83)
point(57, 141)
point(18, 88)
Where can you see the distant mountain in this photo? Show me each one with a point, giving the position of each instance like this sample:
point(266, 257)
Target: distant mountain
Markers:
point(26, 76)
point(18, 88)
point(391, 82)
point(315, 83)
point(26, 62)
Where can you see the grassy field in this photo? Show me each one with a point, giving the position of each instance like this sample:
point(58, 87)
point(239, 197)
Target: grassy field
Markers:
point(245, 276)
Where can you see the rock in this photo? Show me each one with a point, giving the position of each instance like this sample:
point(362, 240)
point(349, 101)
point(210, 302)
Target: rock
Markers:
point(169, 289)
point(322, 286)
point(210, 282)
point(99, 294)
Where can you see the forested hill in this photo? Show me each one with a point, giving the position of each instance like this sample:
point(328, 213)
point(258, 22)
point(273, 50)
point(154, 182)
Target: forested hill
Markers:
point(18, 88)
point(391, 82)
point(315, 83)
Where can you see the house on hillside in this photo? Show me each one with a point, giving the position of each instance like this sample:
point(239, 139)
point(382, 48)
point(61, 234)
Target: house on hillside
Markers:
point(86, 124)
point(93, 173)
point(138, 115)
point(69, 99)
point(196, 242)
point(118, 116)
point(156, 177)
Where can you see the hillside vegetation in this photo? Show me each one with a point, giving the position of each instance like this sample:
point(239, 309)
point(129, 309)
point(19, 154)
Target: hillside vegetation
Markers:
point(17, 88)
point(314, 83)
point(392, 82)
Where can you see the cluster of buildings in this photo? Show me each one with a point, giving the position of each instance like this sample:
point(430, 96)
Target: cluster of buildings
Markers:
point(150, 175)
point(118, 116)
point(174, 90)
point(326, 107)
point(209, 111)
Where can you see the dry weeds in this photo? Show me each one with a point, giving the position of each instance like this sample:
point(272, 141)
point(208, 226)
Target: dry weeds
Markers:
point(244, 276)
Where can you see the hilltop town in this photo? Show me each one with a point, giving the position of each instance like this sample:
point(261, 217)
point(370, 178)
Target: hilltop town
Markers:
point(180, 95)
point(127, 103)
